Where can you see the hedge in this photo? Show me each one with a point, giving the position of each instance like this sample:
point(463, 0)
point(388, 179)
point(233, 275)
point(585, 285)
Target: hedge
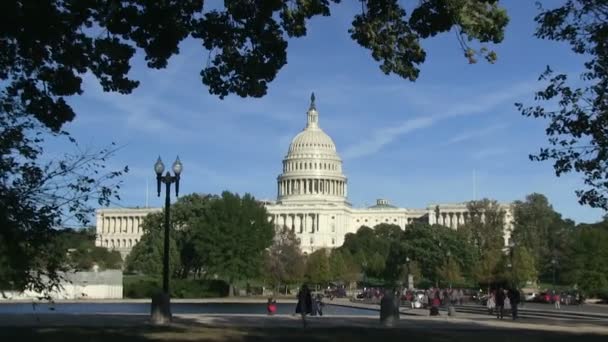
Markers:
point(146, 287)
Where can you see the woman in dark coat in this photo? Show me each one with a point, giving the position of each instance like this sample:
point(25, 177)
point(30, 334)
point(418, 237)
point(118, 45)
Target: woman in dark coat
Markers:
point(304, 305)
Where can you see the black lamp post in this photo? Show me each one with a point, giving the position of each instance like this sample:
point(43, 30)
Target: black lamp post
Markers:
point(407, 260)
point(161, 304)
point(511, 248)
point(553, 262)
point(447, 264)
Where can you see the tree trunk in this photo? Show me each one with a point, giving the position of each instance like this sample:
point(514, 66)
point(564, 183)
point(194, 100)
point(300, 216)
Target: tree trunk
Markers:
point(230, 289)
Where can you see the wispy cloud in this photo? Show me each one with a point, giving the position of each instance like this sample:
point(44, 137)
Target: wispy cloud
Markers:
point(489, 152)
point(477, 133)
point(448, 109)
point(385, 136)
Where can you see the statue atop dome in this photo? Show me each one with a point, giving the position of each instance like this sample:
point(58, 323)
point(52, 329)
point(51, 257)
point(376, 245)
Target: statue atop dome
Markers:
point(313, 115)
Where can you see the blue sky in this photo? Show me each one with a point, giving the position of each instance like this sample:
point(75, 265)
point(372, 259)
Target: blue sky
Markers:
point(412, 143)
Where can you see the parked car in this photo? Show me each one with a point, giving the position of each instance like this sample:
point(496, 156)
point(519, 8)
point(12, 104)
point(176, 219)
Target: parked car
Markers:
point(543, 297)
point(529, 296)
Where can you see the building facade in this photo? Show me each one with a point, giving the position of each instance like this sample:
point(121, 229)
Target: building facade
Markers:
point(311, 200)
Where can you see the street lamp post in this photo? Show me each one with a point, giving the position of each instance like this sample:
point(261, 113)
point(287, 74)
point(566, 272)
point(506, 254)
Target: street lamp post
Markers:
point(161, 303)
point(447, 264)
point(409, 285)
point(511, 248)
point(553, 262)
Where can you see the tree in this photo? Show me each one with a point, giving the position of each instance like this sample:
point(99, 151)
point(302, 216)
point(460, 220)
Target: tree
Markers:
point(284, 262)
point(37, 197)
point(540, 230)
point(81, 252)
point(427, 248)
point(231, 235)
point(449, 272)
point(586, 263)
point(317, 267)
point(485, 227)
point(578, 141)
point(147, 255)
point(486, 270)
point(523, 268)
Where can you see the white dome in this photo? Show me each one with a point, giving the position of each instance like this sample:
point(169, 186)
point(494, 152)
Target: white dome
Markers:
point(312, 140)
point(312, 169)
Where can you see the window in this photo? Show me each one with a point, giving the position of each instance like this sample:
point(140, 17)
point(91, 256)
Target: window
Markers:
point(312, 241)
point(333, 241)
point(333, 217)
point(357, 220)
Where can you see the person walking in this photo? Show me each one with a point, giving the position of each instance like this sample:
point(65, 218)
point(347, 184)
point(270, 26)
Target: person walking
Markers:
point(556, 300)
point(500, 303)
point(304, 306)
point(491, 303)
point(319, 304)
point(515, 299)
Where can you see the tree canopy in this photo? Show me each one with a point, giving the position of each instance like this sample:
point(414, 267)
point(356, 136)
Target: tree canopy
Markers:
point(577, 110)
point(215, 236)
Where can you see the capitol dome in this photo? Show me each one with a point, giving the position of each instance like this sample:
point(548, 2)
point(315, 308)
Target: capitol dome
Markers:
point(312, 168)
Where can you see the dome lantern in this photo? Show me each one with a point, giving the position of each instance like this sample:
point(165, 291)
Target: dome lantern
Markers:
point(312, 169)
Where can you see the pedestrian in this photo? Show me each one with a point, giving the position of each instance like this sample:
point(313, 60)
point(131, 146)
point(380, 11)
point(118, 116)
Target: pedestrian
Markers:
point(500, 303)
point(304, 306)
point(319, 304)
point(271, 307)
point(491, 304)
point(556, 300)
point(436, 302)
point(515, 298)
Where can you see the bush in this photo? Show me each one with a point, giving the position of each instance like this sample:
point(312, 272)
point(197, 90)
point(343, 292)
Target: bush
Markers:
point(146, 287)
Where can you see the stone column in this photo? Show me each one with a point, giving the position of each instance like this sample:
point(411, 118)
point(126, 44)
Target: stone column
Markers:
point(298, 218)
point(99, 225)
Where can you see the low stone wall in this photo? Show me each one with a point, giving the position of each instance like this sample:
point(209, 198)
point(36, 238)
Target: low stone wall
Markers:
point(79, 285)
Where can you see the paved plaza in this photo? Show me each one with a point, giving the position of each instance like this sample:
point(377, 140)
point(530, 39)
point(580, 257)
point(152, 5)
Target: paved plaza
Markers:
point(414, 325)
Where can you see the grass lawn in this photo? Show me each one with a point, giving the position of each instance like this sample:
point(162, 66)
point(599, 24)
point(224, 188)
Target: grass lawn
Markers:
point(346, 334)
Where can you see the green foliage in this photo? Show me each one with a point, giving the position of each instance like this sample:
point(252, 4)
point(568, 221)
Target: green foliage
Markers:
point(488, 268)
point(81, 252)
point(449, 272)
point(231, 236)
point(394, 39)
point(146, 287)
point(484, 228)
point(541, 231)
point(523, 268)
point(147, 255)
point(578, 141)
point(283, 261)
point(318, 269)
point(586, 262)
point(223, 236)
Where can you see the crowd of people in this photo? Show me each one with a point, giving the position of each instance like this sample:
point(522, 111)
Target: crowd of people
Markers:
point(498, 302)
point(502, 299)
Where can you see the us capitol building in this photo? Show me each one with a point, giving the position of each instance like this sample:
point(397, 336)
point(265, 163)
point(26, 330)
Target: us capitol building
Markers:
point(311, 200)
